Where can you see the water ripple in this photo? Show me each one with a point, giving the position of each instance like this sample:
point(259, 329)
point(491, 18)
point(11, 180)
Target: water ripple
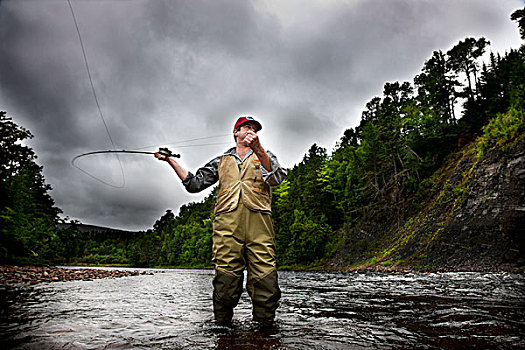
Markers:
point(173, 310)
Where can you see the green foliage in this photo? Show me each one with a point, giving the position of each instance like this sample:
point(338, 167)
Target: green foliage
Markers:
point(308, 241)
point(185, 240)
point(503, 130)
point(304, 210)
point(27, 213)
point(143, 250)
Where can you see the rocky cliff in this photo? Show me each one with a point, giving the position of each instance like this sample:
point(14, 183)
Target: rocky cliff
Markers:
point(470, 217)
point(483, 224)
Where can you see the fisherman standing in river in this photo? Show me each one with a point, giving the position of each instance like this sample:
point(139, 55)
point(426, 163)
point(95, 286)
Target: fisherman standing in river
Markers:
point(243, 235)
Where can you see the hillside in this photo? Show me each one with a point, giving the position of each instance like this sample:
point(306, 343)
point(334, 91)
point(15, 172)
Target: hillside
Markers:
point(473, 219)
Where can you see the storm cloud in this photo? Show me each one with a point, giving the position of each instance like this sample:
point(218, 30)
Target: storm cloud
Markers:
point(169, 71)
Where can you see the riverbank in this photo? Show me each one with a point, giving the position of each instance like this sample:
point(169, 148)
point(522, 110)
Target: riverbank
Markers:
point(430, 269)
point(13, 275)
point(389, 268)
point(10, 275)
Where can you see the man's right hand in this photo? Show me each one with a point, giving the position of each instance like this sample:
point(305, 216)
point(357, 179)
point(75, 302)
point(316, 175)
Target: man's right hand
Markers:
point(160, 156)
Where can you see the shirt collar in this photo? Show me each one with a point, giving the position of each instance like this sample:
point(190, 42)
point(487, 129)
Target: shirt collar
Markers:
point(233, 152)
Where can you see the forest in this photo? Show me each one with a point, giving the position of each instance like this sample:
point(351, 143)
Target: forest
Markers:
point(379, 172)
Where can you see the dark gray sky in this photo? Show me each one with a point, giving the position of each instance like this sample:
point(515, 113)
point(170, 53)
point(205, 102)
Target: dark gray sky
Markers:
point(170, 71)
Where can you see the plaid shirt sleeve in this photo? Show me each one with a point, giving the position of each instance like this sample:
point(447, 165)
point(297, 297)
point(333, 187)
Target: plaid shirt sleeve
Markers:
point(278, 173)
point(204, 177)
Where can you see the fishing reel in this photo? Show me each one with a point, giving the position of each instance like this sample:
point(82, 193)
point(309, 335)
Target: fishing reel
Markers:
point(167, 153)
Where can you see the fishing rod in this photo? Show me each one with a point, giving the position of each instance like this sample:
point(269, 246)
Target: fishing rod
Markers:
point(163, 151)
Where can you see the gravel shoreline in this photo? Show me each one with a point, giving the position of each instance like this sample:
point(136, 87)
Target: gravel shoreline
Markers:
point(12, 275)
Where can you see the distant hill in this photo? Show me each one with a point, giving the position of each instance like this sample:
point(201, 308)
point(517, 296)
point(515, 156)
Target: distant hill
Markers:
point(85, 228)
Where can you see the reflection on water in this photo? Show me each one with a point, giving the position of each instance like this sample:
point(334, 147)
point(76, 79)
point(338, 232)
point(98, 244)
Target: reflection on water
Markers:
point(172, 310)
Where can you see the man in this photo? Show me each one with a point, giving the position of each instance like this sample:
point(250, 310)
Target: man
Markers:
point(243, 235)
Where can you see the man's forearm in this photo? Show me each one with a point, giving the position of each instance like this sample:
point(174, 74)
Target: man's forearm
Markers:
point(181, 172)
point(264, 158)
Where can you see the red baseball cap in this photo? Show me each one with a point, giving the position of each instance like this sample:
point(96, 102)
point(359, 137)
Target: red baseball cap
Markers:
point(245, 119)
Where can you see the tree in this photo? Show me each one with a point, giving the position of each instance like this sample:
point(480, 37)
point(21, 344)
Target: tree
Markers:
point(435, 86)
point(519, 16)
point(462, 59)
point(28, 215)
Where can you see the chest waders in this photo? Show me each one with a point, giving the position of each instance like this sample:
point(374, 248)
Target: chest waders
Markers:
point(243, 238)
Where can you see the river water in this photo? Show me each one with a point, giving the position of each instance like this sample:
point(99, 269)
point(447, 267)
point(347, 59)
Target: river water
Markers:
point(171, 309)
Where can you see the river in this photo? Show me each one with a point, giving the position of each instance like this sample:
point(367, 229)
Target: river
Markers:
point(171, 309)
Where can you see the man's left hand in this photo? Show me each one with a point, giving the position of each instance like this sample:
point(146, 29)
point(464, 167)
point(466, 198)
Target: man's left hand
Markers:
point(252, 139)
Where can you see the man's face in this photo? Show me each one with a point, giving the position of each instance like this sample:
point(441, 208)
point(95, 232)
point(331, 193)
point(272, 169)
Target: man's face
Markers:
point(249, 126)
point(245, 128)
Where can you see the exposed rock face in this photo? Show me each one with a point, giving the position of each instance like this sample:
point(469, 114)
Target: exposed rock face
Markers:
point(473, 219)
point(484, 226)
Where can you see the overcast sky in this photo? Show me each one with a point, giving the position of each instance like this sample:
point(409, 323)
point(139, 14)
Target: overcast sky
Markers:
point(169, 71)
